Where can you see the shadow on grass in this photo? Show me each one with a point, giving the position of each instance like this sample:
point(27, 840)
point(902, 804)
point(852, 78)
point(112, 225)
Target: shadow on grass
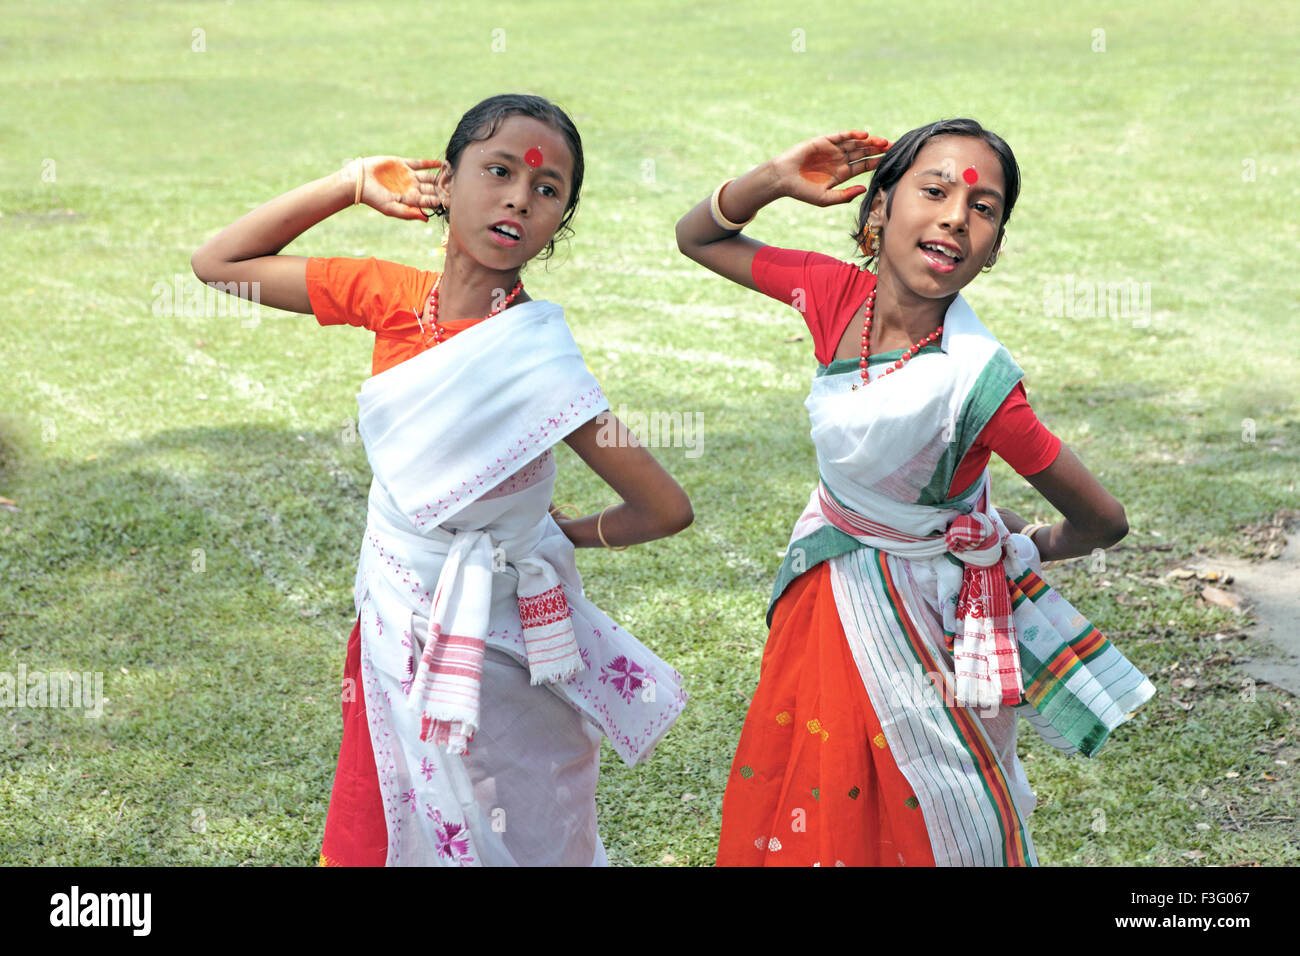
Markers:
point(205, 573)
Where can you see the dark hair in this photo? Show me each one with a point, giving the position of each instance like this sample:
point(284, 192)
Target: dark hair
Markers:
point(482, 122)
point(902, 154)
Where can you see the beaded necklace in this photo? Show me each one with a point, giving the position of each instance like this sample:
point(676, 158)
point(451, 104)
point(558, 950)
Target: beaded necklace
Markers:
point(441, 333)
point(866, 337)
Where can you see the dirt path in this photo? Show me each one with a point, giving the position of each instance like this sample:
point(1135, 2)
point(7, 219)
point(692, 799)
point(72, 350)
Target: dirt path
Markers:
point(1271, 589)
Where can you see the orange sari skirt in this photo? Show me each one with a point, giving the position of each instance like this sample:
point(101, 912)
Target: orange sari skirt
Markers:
point(813, 782)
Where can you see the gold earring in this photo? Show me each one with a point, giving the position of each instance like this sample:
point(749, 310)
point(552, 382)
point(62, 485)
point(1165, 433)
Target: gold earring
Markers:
point(871, 243)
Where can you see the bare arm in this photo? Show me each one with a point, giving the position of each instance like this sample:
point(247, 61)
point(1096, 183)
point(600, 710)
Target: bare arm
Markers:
point(1093, 517)
point(808, 172)
point(724, 251)
point(654, 505)
point(247, 251)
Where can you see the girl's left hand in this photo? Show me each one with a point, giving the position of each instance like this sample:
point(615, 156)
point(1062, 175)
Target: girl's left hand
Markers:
point(1012, 520)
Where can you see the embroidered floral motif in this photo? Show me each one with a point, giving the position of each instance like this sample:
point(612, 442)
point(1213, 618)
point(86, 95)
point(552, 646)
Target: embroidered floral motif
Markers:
point(971, 602)
point(815, 727)
point(773, 845)
point(817, 793)
point(853, 794)
point(409, 677)
point(451, 839)
point(784, 718)
point(911, 803)
point(624, 675)
point(409, 797)
point(544, 609)
point(879, 740)
point(427, 769)
point(747, 771)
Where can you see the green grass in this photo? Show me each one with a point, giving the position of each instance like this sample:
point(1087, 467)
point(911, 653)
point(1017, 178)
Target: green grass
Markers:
point(191, 506)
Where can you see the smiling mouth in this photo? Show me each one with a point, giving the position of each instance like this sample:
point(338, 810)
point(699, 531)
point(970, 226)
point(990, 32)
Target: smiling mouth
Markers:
point(508, 231)
point(943, 254)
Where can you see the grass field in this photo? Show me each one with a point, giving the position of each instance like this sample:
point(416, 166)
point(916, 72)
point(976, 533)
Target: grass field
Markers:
point(189, 499)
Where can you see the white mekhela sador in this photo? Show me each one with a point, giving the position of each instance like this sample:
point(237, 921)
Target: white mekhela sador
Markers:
point(488, 676)
point(909, 603)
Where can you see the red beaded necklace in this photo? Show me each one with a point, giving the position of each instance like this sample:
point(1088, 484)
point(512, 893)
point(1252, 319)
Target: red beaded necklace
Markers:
point(866, 338)
point(440, 333)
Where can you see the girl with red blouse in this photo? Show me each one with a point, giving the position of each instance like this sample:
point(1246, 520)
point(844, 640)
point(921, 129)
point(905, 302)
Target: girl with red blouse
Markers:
point(845, 757)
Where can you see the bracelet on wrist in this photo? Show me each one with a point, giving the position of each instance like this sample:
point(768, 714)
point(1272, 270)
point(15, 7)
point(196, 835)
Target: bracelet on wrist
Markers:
point(1031, 529)
point(601, 534)
point(715, 209)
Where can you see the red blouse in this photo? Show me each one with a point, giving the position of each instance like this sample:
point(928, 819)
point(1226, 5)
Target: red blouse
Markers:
point(828, 293)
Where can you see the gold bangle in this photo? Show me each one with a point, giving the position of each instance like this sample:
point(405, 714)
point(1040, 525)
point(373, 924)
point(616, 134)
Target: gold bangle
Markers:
point(1030, 529)
point(361, 179)
point(600, 534)
point(564, 510)
point(721, 221)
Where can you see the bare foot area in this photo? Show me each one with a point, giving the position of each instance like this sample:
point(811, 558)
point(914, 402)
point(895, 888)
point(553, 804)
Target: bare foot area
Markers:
point(1270, 589)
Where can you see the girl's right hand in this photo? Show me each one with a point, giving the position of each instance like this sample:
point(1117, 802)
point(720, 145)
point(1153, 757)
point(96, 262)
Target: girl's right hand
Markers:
point(397, 187)
point(812, 170)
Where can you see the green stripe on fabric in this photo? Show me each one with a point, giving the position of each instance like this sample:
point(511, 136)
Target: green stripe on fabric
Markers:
point(823, 544)
point(991, 389)
point(839, 366)
point(1068, 715)
point(910, 642)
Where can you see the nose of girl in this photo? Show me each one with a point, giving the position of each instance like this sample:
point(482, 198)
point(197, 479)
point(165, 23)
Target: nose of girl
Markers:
point(519, 201)
point(954, 212)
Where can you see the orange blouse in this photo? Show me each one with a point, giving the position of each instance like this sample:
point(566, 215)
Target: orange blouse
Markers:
point(385, 297)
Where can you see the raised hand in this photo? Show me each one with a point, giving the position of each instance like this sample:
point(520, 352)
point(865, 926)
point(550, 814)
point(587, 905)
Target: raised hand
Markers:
point(401, 188)
point(814, 169)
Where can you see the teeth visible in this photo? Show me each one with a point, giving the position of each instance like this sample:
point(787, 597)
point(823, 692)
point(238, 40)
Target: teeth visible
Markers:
point(508, 231)
point(941, 250)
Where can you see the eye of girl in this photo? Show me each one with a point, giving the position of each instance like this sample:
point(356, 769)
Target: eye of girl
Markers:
point(493, 169)
point(548, 191)
point(932, 190)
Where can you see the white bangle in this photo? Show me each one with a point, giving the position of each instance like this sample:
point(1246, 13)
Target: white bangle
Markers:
point(721, 221)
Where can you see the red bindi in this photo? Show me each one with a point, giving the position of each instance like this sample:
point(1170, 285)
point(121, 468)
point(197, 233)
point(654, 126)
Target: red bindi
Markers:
point(970, 175)
point(533, 157)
